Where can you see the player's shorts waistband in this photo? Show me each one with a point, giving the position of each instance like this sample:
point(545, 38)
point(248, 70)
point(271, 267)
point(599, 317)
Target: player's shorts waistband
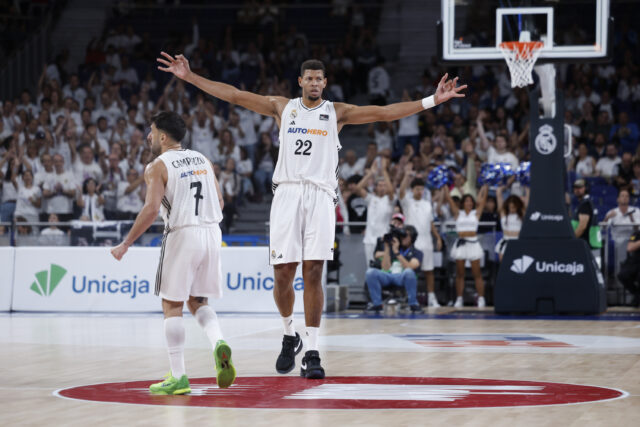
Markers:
point(180, 227)
point(302, 183)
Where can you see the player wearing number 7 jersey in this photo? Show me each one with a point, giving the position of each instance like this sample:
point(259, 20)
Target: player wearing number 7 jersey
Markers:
point(181, 184)
point(302, 222)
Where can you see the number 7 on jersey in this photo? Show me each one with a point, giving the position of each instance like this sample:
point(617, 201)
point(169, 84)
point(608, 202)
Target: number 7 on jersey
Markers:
point(198, 196)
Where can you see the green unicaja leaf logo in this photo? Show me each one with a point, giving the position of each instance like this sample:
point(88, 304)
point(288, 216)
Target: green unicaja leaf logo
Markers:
point(47, 281)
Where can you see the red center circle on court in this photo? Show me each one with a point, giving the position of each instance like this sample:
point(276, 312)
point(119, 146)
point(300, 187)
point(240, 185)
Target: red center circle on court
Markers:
point(288, 392)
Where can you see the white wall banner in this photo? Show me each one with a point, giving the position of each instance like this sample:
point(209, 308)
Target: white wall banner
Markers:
point(90, 279)
point(6, 277)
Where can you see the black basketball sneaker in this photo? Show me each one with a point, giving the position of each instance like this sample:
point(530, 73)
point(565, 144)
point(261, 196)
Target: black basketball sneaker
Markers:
point(287, 358)
point(310, 367)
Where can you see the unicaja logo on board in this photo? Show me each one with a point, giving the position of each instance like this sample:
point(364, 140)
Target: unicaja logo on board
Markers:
point(47, 281)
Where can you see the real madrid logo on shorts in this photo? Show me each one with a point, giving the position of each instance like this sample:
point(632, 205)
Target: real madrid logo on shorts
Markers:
point(545, 141)
point(273, 254)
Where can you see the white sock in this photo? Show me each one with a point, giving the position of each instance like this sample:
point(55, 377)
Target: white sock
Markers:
point(208, 319)
point(432, 295)
point(312, 338)
point(288, 326)
point(174, 331)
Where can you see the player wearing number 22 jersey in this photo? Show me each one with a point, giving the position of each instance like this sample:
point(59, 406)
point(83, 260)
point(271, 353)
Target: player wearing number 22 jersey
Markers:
point(302, 220)
point(181, 184)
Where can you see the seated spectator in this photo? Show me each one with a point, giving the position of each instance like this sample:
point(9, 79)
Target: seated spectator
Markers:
point(9, 169)
point(52, 235)
point(399, 263)
point(625, 171)
point(231, 186)
point(90, 201)
point(635, 179)
point(584, 165)
point(60, 191)
point(23, 228)
point(130, 195)
point(607, 167)
point(629, 274)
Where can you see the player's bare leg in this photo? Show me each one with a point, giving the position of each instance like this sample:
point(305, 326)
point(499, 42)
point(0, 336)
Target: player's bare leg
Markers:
point(313, 304)
point(284, 296)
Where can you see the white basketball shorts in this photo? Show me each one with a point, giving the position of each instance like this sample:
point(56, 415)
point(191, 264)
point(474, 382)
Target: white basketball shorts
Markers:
point(302, 224)
point(190, 264)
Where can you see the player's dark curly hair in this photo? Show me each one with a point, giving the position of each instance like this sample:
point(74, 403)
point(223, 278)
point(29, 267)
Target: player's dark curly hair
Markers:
point(170, 123)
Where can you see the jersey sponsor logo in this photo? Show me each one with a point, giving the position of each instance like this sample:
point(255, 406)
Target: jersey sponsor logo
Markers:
point(324, 117)
point(187, 161)
point(193, 173)
point(306, 131)
point(288, 392)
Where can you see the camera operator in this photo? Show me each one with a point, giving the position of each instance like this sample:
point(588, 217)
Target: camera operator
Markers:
point(396, 263)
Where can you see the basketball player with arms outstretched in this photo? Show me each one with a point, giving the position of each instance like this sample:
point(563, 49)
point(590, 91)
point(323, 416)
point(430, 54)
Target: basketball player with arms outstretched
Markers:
point(181, 184)
point(305, 182)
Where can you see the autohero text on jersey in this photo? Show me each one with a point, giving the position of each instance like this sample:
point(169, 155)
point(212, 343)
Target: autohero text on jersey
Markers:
point(187, 161)
point(308, 131)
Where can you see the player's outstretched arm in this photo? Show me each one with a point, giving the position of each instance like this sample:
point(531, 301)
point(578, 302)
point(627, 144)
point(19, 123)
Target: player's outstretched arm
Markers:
point(354, 115)
point(266, 105)
point(154, 176)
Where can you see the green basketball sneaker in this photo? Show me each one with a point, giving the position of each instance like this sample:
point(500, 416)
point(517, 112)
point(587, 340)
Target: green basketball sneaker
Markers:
point(226, 373)
point(171, 385)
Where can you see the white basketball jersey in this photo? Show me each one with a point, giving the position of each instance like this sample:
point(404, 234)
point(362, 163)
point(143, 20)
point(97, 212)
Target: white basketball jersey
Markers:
point(191, 196)
point(308, 145)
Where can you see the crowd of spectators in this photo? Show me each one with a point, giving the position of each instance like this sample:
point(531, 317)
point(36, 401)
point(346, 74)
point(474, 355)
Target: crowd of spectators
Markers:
point(76, 147)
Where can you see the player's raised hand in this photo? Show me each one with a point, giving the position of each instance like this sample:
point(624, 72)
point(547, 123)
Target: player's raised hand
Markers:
point(448, 89)
point(179, 65)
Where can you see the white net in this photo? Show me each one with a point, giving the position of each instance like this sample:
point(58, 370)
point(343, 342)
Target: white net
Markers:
point(520, 57)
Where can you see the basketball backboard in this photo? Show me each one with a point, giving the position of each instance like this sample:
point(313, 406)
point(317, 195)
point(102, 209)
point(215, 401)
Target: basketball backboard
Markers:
point(471, 30)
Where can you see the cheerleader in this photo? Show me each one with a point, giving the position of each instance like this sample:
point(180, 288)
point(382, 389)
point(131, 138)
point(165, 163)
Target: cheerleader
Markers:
point(511, 214)
point(466, 247)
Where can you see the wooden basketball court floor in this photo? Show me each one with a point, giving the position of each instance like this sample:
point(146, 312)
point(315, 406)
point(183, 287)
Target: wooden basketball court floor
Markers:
point(45, 353)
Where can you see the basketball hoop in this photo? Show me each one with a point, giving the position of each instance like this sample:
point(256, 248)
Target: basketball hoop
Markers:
point(520, 57)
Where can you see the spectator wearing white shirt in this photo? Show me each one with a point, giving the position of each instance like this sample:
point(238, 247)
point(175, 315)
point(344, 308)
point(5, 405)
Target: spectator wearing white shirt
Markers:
point(380, 204)
point(74, 90)
point(91, 202)
point(127, 76)
point(408, 130)
point(496, 152)
point(419, 213)
point(26, 104)
point(44, 175)
point(109, 185)
point(130, 195)
point(266, 157)
point(52, 235)
point(588, 95)
point(60, 191)
point(247, 122)
point(607, 166)
point(112, 56)
point(622, 217)
point(29, 200)
point(584, 165)
point(383, 135)
point(378, 83)
point(84, 165)
point(351, 165)
point(244, 168)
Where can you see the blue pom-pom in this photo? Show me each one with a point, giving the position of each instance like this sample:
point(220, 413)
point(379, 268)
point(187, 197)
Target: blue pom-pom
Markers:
point(524, 173)
point(439, 177)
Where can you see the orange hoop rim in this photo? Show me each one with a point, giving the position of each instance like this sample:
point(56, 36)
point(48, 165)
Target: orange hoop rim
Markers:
point(523, 49)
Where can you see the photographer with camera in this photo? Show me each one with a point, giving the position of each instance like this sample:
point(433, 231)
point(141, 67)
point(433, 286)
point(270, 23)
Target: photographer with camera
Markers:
point(396, 263)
